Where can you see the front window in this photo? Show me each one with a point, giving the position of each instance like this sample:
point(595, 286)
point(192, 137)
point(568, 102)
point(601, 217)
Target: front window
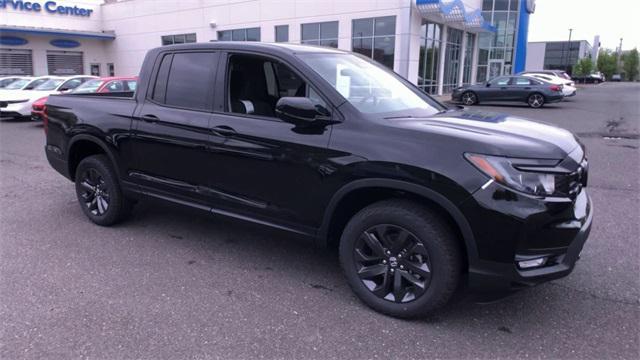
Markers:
point(370, 88)
point(49, 85)
point(90, 86)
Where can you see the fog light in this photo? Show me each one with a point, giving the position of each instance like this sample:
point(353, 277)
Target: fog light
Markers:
point(528, 264)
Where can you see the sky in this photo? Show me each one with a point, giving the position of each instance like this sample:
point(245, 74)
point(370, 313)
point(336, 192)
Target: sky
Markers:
point(611, 19)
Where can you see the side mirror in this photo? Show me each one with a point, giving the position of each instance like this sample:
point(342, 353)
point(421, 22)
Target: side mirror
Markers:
point(488, 84)
point(64, 89)
point(301, 111)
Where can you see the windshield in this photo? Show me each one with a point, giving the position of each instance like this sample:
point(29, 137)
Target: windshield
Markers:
point(370, 88)
point(18, 84)
point(50, 84)
point(90, 86)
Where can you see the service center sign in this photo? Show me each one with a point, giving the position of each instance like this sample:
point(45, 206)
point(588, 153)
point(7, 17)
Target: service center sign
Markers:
point(50, 7)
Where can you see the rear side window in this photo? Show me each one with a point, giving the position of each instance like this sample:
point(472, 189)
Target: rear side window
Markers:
point(522, 81)
point(189, 84)
point(160, 88)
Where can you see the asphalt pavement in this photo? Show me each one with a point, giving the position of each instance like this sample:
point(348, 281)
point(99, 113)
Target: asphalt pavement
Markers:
point(173, 283)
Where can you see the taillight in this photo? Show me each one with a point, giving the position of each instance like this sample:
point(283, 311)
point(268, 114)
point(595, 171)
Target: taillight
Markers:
point(556, 88)
point(45, 120)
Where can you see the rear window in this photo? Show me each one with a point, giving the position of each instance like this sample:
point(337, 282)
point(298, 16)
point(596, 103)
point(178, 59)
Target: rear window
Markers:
point(189, 82)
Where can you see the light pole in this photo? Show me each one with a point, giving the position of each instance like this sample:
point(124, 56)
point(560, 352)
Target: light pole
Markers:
point(619, 57)
point(568, 52)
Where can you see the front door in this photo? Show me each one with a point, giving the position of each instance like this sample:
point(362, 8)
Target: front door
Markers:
point(495, 68)
point(266, 168)
point(171, 127)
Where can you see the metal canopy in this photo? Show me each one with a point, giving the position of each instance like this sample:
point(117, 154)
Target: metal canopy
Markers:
point(453, 12)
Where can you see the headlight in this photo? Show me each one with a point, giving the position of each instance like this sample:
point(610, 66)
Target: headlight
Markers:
point(502, 170)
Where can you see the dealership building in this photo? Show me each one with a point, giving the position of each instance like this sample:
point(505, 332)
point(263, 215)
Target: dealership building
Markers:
point(437, 44)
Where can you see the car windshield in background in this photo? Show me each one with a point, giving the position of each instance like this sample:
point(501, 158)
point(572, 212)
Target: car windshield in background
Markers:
point(90, 86)
point(18, 84)
point(368, 87)
point(50, 84)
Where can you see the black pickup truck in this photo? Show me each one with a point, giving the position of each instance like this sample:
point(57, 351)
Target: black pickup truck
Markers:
point(420, 199)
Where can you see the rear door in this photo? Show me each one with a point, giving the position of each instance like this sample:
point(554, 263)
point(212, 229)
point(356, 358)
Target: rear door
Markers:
point(520, 87)
point(266, 168)
point(171, 127)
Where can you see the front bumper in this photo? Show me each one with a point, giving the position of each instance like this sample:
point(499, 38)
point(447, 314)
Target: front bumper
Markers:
point(17, 109)
point(530, 229)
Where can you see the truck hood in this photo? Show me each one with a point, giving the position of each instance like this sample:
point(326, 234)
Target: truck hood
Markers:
point(495, 134)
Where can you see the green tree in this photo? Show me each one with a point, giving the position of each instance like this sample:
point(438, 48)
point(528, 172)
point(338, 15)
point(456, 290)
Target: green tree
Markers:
point(631, 64)
point(607, 62)
point(586, 66)
point(577, 70)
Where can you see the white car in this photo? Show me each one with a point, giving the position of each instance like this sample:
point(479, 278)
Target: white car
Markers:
point(568, 86)
point(17, 103)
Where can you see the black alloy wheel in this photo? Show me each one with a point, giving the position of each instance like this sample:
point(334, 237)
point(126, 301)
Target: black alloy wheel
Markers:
point(96, 192)
point(469, 98)
point(392, 263)
point(401, 258)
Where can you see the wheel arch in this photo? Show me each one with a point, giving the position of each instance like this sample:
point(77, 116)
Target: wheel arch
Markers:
point(83, 145)
point(340, 209)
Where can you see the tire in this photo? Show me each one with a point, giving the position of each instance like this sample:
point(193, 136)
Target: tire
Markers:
point(469, 98)
point(429, 271)
point(535, 100)
point(98, 191)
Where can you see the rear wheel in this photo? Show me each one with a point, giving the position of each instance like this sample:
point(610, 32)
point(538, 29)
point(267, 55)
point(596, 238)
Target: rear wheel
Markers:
point(400, 258)
point(98, 191)
point(535, 100)
point(469, 98)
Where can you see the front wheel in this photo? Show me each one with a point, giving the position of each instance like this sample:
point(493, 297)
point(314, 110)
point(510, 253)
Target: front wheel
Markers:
point(469, 98)
point(400, 258)
point(535, 100)
point(98, 191)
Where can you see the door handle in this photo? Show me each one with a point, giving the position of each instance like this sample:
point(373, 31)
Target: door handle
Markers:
point(149, 118)
point(528, 88)
point(224, 130)
point(503, 88)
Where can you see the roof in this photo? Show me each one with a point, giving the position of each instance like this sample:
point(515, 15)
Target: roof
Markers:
point(257, 46)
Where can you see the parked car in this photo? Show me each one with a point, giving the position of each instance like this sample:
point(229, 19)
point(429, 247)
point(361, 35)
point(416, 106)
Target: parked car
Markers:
point(558, 73)
point(616, 77)
point(18, 103)
point(535, 92)
point(593, 78)
point(37, 109)
point(6, 80)
point(108, 84)
point(417, 197)
point(568, 86)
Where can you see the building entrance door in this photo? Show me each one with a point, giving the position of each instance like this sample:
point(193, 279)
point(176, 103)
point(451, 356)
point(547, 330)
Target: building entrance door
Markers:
point(495, 68)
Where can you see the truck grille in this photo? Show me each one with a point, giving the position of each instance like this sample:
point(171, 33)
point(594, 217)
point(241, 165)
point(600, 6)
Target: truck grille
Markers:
point(571, 184)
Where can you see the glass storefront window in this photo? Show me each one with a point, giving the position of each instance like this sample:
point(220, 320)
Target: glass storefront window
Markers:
point(429, 57)
point(497, 49)
point(324, 34)
point(468, 59)
point(452, 60)
point(375, 38)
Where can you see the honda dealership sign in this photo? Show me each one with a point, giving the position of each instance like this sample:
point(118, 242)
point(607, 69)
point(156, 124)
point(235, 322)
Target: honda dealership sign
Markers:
point(50, 7)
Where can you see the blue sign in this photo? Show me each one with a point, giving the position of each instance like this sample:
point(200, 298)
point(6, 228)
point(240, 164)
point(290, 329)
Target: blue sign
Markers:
point(64, 43)
point(50, 6)
point(12, 40)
